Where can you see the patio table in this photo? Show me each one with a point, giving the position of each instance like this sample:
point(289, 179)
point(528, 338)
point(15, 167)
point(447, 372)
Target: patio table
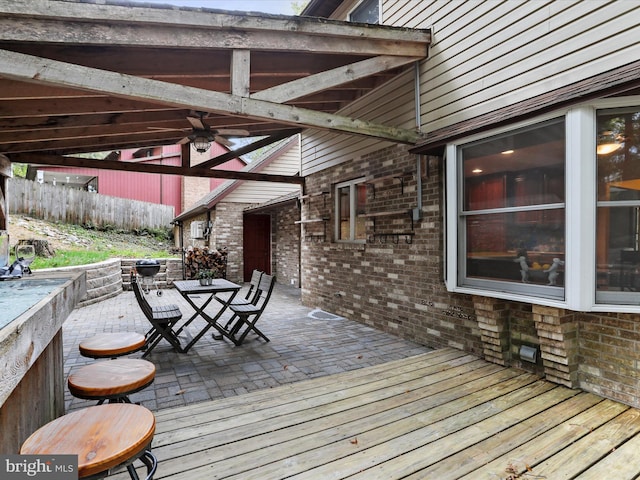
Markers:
point(191, 289)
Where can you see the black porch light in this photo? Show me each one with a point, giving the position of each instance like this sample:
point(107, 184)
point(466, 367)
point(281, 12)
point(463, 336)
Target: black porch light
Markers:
point(201, 140)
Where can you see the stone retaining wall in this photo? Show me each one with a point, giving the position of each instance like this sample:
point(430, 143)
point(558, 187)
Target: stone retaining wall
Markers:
point(109, 278)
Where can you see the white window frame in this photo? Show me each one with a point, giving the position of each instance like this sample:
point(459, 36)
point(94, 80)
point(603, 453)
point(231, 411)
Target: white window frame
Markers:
point(353, 195)
point(580, 211)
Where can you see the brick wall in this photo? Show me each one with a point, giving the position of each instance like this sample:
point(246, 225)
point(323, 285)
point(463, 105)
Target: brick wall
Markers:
point(286, 245)
point(227, 232)
point(193, 189)
point(609, 355)
point(395, 287)
point(399, 288)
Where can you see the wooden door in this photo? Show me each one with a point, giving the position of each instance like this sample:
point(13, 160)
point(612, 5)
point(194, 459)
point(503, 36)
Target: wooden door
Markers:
point(257, 244)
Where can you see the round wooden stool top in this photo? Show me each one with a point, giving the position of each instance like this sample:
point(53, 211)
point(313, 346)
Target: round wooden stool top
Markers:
point(111, 378)
point(110, 345)
point(103, 436)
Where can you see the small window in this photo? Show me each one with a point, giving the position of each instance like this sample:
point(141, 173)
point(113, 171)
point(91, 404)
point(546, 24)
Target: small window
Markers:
point(351, 201)
point(618, 212)
point(368, 11)
point(512, 211)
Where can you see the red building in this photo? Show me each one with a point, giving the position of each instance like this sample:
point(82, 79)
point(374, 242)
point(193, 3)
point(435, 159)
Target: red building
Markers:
point(172, 190)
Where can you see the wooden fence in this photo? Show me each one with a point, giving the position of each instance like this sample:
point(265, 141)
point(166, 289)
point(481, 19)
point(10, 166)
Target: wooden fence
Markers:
point(68, 205)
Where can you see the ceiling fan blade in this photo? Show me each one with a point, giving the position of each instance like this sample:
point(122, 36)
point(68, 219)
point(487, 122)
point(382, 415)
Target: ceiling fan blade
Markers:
point(233, 132)
point(184, 140)
point(223, 141)
point(197, 123)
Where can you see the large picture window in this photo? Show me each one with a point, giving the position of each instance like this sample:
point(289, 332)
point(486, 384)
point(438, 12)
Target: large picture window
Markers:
point(512, 211)
point(351, 200)
point(618, 205)
point(549, 212)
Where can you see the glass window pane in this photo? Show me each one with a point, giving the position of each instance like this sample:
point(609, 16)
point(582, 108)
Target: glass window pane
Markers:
point(361, 208)
point(367, 12)
point(618, 149)
point(343, 214)
point(502, 246)
point(618, 226)
point(521, 168)
point(618, 256)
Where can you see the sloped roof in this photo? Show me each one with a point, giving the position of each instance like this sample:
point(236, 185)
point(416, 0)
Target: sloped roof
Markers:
point(218, 194)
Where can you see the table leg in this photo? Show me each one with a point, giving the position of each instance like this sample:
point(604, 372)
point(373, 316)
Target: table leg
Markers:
point(199, 311)
point(211, 321)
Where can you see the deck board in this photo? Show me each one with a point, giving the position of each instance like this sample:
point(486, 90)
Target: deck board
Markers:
point(444, 414)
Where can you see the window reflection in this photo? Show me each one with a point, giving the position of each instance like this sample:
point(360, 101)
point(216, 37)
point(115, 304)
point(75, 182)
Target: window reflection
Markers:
point(513, 206)
point(618, 214)
point(367, 12)
point(351, 202)
point(344, 213)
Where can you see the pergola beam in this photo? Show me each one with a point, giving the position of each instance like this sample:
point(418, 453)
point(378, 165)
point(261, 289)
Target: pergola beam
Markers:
point(225, 157)
point(41, 70)
point(331, 78)
point(44, 21)
point(196, 171)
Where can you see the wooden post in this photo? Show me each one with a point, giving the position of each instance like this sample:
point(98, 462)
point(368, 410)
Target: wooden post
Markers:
point(5, 173)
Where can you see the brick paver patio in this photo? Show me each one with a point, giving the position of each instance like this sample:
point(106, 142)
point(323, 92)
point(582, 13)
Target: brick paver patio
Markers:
point(305, 343)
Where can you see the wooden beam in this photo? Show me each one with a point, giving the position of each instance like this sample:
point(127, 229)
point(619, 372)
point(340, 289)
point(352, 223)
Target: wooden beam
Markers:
point(240, 72)
point(331, 78)
point(5, 166)
point(42, 159)
point(74, 106)
point(225, 157)
point(99, 24)
point(42, 70)
point(185, 155)
point(9, 137)
point(175, 117)
point(95, 143)
point(5, 173)
point(103, 34)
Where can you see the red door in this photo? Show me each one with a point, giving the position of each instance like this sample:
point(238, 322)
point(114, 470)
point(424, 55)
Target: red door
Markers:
point(257, 244)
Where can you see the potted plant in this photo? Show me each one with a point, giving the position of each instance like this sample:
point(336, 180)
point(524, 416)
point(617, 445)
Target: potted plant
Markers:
point(204, 276)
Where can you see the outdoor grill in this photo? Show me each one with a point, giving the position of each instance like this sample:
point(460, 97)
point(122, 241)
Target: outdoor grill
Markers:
point(147, 271)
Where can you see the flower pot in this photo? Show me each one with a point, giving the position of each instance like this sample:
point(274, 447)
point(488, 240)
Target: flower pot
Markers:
point(203, 281)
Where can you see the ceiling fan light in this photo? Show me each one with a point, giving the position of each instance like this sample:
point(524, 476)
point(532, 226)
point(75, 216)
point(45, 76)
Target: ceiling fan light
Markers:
point(607, 148)
point(201, 143)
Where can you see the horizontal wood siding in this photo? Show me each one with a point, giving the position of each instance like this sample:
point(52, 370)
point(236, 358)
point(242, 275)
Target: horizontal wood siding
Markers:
point(488, 55)
point(391, 104)
point(260, 192)
point(286, 163)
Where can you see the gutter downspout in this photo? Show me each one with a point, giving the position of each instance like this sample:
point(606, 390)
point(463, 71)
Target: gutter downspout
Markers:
point(417, 212)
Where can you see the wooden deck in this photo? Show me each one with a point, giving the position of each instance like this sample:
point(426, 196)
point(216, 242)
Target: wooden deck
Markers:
point(441, 415)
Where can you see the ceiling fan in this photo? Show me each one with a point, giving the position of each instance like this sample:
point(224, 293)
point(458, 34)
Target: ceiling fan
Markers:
point(202, 135)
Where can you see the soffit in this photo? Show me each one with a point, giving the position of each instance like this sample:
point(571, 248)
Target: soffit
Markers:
point(89, 76)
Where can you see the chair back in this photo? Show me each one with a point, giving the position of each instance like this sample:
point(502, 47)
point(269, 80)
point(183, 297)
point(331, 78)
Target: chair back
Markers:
point(254, 292)
point(142, 302)
point(265, 287)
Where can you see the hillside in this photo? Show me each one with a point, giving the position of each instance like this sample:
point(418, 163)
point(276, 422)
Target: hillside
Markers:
point(74, 237)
